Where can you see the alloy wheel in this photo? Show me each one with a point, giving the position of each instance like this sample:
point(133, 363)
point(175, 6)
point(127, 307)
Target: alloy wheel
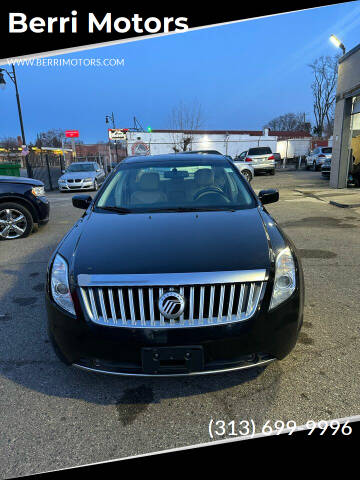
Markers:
point(13, 223)
point(247, 175)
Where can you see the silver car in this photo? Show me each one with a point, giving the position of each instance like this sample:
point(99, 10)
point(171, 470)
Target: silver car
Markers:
point(82, 176)
point(317, 158)
point(261, 158)
point(245, 169)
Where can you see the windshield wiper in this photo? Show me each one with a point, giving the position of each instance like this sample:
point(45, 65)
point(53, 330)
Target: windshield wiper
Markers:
point(115, 209)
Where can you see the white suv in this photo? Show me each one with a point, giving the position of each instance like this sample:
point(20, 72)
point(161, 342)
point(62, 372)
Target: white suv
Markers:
point(261, 158)
point(317, 157)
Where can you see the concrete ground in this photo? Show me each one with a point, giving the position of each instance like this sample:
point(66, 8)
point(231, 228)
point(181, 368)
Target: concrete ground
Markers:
point(53, 416)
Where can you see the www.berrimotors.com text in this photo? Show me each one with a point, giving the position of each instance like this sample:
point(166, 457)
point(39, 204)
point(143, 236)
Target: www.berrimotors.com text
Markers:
point(20, 23)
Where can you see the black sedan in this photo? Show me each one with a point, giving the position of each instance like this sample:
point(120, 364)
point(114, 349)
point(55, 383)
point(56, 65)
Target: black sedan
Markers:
point(175, 268)
point(22, 204)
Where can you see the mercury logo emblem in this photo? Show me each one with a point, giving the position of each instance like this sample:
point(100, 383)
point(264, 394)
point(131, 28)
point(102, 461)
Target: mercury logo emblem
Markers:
point(171, 305)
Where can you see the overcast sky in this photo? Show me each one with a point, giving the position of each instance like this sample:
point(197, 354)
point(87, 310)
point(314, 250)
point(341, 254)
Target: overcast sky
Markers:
point(243, 75)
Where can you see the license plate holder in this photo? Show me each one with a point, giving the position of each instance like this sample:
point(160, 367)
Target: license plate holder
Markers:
point(182, 359)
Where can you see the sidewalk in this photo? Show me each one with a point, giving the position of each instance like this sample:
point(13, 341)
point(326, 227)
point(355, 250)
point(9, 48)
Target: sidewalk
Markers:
point(343, 198)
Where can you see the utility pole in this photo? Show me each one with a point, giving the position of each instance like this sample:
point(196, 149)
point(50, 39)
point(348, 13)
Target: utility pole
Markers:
point(12, 76)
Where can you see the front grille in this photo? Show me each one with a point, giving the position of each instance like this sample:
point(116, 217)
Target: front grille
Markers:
point(205, 304)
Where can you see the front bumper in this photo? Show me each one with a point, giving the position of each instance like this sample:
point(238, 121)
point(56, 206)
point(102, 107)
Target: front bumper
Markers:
point(119, 350)
point(76, 186)
point(42, 209)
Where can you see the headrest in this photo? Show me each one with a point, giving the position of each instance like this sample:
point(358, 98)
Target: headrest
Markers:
point(220, 176)
point(204, 177)
point(149, 181)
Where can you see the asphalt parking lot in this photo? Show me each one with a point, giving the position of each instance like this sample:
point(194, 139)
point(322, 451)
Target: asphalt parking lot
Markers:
point(53, 416)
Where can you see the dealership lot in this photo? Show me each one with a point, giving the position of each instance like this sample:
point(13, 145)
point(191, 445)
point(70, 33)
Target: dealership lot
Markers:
point(54, 416)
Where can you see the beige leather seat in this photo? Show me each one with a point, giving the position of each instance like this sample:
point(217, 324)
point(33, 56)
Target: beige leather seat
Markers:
point(148, 190)
point(204, 177)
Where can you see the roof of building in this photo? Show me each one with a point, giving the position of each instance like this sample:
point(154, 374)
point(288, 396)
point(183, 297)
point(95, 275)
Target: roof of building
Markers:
point(349, 53)
point(255, 133)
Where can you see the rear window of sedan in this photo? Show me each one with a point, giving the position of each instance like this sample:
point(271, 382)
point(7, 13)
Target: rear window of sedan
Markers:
point(327, 150)
point(260, 151)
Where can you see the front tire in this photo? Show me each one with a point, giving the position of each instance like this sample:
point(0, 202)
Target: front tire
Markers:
point(15, 221)
point(247, 175)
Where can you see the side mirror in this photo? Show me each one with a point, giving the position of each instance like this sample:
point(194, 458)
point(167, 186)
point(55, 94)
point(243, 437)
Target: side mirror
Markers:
point(81, 201)
point(268, 196)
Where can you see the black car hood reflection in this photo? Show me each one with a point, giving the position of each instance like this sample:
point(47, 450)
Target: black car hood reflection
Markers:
point(110, 243)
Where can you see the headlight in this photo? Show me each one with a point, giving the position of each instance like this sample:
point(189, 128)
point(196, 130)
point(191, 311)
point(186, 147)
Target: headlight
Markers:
point(88, 179)
point(285, 280)
point(61, 181)
point(38, 191)
point(60, 284)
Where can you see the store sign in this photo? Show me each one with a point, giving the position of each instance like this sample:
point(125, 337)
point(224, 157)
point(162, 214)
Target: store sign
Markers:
point(117, 133)
point(140, 148)
point(71, 133)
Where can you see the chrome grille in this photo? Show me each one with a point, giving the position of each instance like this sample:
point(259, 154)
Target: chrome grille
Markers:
point(137, 305)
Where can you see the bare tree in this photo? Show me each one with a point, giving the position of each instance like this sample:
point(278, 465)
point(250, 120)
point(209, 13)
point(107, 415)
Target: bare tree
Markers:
point(51, 138)
point(185, 120)
point(289, 122)
point(324, 89)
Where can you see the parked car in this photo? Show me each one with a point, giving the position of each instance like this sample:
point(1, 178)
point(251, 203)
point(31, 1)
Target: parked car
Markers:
point(325, 168)
point(211, 152)
point(261, 158)
point(245, 169)
point(23, 205)
point(277, 157)
point(317, 157)
point(175, 268)
point(82, 176)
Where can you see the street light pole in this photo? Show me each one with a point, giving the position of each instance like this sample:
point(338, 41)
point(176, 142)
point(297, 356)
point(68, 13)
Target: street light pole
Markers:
point(113, 125)
point(12, 76)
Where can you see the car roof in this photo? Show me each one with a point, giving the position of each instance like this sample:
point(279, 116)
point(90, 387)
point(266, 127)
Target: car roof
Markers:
point(175, 156)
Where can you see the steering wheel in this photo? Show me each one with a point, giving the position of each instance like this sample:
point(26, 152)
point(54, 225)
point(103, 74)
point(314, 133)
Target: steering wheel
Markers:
point(207, 190)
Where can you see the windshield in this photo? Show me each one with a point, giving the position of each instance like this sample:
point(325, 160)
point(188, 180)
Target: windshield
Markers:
point(81, 167)
point(176, 185)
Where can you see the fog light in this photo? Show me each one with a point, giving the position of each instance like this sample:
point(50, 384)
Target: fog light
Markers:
point(61, 289)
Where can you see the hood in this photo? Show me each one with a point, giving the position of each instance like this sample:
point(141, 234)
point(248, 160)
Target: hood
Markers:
point(29, 181)
point(110, 243)
point(73, 175)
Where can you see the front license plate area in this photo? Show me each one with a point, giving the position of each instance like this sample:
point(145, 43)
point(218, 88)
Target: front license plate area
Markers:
point(161, 360)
